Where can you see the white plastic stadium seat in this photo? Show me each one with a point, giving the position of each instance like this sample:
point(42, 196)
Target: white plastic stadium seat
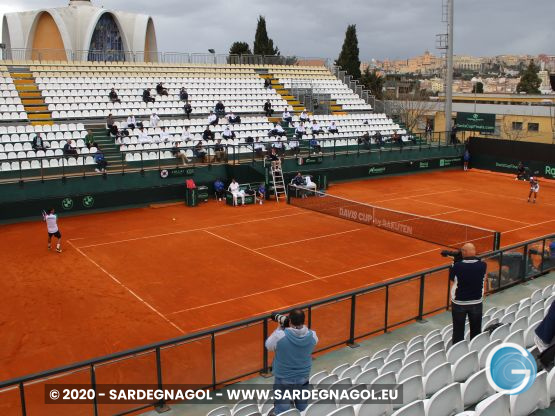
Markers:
point(342, 411)
point(319, 408)
point(457, 351)
point(447, 401)
point(220, 411)
point(438, 378)
point(413, 390)
point(476, 388)
point(465, 366)
point(496, 405)
point(367, 376)
point(536, 397)
point(371, 408)
point(413, 409)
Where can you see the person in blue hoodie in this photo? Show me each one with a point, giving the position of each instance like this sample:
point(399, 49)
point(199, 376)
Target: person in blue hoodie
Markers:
point(293, 348)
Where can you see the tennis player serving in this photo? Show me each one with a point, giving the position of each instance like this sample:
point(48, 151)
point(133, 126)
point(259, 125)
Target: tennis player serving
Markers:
point(534, 187)
point(52, 226)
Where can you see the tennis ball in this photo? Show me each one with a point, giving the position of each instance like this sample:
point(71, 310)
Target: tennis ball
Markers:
point(173, 219)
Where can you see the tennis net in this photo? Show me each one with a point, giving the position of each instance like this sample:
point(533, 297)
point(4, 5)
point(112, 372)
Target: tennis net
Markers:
point(432, 230)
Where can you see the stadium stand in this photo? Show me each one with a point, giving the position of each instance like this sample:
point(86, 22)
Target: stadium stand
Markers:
point(437, 378)
point(62, 100)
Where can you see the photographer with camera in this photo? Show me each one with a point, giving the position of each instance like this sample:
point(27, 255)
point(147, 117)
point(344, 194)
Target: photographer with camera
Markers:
point(467, 273)
point(293, 344)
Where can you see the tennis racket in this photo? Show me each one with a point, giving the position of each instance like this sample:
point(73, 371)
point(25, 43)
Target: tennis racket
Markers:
point(44, 215)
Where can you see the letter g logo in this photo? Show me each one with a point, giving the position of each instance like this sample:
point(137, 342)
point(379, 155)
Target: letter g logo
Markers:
point(510, 368)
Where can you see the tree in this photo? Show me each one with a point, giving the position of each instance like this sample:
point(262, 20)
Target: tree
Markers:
point(478, 88)
point(348, 59)
point(374, 82)
point(263, 45)
point(240, 48)
point(412, 110)
point(529, 81)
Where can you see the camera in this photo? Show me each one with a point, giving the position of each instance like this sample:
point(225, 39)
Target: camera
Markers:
point(456, 255)
point(283, 320)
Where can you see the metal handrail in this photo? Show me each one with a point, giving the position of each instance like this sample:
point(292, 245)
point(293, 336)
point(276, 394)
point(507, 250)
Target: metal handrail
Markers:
point(434, 140)
point(264, 319)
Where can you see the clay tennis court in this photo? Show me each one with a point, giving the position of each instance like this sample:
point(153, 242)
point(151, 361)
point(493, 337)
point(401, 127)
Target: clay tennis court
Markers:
point(137, 276)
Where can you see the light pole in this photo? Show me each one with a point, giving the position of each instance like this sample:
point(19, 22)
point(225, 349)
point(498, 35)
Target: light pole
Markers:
point(550, 104)
point(213, 52)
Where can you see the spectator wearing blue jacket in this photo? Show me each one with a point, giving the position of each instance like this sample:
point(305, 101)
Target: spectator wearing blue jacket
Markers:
point(545, 332)
point(293, 348)
point(219, 189)
point(100, 161)
point(467, 293)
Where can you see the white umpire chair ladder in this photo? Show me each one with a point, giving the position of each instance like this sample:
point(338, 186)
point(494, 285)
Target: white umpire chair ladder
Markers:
point(279, 185)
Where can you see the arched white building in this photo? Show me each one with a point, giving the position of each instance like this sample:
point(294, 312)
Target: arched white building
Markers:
point(79, 31)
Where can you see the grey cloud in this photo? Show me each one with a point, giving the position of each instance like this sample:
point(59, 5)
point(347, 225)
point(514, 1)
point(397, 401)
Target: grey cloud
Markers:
point(386, 28)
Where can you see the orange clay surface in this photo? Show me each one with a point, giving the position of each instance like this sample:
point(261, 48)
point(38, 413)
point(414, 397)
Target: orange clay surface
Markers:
point(133, 277)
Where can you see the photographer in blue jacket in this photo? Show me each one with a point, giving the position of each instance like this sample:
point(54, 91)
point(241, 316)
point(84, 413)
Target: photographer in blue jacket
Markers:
point(293, 344)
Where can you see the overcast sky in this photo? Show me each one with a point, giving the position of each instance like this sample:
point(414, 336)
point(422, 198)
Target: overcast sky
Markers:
point(393, 29)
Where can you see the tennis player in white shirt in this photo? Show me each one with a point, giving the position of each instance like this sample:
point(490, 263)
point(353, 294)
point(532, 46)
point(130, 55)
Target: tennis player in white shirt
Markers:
point(52, 226)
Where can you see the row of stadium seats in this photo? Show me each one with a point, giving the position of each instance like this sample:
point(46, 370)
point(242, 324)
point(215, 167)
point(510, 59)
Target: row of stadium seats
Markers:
point(436, 378)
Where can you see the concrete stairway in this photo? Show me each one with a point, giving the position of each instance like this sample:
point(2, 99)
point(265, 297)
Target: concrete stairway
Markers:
point(111, 150)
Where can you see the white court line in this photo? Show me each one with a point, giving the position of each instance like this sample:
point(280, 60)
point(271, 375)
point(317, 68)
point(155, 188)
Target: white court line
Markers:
point(446, 212)
point(414, 196)
point(148, 305)
point(309, 239)
point(302, 282)
point(511, 197)
point(474, 212)
point(526, 226)
point(261, 254)
point(193, 230)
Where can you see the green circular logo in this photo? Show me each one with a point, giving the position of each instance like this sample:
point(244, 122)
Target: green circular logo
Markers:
point(67, 203)
point(88, 201)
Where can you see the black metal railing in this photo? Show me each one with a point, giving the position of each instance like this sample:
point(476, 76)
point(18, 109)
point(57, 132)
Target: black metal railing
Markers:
point(223, 354)
point(142, 160)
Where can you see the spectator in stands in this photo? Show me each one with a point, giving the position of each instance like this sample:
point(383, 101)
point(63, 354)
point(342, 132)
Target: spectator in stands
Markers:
point(520, 172)
point(454, 131)
point(160, 90)
point(365, 140)
point(233, 119)
point(89, 140)
point(294, 146)
point(113, 95)
point(545, 332)
point(259, 148)
point(200, 152)
point(316, 128)
point(186, 135)
point(293, 346)
point(219, 109)
point(183, 94)
point(396, 138)
point(379, 138)
point(207, 135)
point(268, 110)
point(111, 125)
point(100, 161)
point(300, 131)
point(315, 145)
point(278, 147)
point(236, 191)
point(219, 151)
point(298, 180)
point(188, 110)
point(146, 96)
point(304, 117)
point(277, 130)
point(228, 134)
point(154, 120)
point(143, 137)
point(429, 130)
point(332, 128)
point(287, 117)
point(179, 153)
point(131, 122)
point(164, 135)
point(39, 143)
point(69, 149)
point(467, 292)
point(267, 83)
point(212, 119)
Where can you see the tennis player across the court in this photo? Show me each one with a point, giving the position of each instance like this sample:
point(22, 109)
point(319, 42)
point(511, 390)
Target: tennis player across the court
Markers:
point(534, 188)
point(51, 220)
